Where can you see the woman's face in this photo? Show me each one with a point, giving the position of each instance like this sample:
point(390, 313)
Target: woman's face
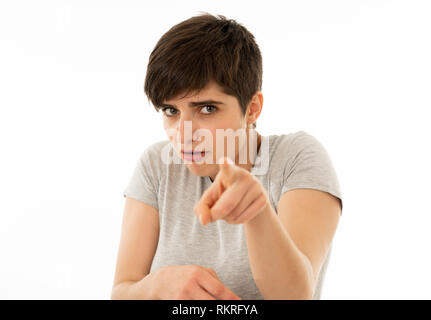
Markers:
point(210, 121)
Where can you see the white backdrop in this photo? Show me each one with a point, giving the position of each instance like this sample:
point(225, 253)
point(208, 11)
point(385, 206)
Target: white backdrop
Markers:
point(74, 120)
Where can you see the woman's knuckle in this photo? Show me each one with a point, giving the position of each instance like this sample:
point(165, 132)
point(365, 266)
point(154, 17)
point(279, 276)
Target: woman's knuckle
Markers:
point(228, 205)
point(218, 290)
point(262, 201)
point(195, 274)
point(229, 220)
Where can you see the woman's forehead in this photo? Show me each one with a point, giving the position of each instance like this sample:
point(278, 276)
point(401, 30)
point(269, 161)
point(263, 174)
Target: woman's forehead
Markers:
point(212, 91)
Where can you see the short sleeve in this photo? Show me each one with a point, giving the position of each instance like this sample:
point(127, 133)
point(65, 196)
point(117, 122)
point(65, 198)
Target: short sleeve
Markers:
point(310, 167)
point(143, 184)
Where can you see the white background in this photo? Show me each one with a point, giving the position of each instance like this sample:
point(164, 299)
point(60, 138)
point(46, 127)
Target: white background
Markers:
point(74, 120)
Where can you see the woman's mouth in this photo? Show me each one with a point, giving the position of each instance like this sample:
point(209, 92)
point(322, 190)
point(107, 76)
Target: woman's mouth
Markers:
point(193, 156)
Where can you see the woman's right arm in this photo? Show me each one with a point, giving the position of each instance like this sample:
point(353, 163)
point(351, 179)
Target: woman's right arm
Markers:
point(138, 244)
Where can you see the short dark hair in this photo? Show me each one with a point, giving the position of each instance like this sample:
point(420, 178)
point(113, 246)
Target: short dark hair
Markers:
point(200, 49)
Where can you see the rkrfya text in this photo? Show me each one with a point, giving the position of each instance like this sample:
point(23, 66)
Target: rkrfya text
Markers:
point(221, 309)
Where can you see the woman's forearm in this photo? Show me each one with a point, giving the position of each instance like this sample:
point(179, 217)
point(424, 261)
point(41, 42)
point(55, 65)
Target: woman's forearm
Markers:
point(134, 290)
point(279, 268)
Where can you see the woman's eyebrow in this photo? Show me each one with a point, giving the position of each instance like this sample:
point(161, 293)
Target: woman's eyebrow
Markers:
point(193, 103)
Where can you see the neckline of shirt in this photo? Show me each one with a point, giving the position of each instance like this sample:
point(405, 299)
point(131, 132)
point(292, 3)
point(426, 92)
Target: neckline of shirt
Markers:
point(262, 157)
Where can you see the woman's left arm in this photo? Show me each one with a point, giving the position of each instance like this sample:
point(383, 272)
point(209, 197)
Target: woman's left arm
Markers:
point(287, 250)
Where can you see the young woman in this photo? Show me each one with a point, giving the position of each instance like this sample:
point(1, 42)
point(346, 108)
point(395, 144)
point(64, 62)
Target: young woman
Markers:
point(257, 227)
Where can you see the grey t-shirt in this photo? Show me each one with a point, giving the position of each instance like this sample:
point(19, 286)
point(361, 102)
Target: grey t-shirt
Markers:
point(284, 162)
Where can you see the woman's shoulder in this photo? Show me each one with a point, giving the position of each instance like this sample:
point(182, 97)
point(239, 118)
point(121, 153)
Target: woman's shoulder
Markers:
point(295, 137)
point(152, 158)
point(290, 144)
point(154, 151)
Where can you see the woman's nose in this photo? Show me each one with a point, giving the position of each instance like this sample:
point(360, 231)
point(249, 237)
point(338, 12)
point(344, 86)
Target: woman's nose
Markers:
point(185, 131)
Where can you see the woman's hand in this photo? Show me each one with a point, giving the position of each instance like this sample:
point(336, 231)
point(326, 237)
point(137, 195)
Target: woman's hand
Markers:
point(235, 196)
point(190, 282)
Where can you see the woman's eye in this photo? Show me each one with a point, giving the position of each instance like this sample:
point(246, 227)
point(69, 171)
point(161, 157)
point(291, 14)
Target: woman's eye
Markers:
point(168, 108)
point(172, 111)
point(209, 106)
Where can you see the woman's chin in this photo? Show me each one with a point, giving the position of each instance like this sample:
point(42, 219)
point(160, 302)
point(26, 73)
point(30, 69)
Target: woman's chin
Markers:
point(198, 169)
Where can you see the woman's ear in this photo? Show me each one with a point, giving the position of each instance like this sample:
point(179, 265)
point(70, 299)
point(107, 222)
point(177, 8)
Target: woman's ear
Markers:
point(254, 108)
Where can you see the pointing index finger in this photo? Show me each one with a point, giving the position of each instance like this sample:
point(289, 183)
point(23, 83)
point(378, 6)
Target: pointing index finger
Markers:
point(226, 170)
point(203, 207)
point(212, 194)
